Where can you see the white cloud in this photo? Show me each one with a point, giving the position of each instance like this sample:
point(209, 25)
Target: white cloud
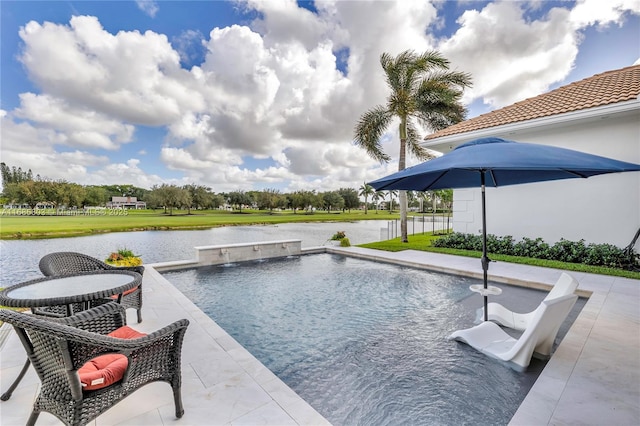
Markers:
point(127, 173)
point(150, 7)
point(601, 13)
point(512, 57)
point(283, 22)
point(31, 147)
point(129, 76)
point(77, 127)
point(270, 89)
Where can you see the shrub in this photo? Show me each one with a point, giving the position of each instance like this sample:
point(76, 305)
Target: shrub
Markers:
point(502, 245)
point(611, 256)
point(532, 248)
point(338, 235)
point(564, 250)
point(344, 242)
point(460, 241)
point(569, 251)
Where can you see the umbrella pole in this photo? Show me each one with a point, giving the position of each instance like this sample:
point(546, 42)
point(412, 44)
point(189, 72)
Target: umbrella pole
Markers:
point(484, 259)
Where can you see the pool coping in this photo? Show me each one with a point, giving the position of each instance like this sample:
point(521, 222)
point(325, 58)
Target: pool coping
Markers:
point(592, 378)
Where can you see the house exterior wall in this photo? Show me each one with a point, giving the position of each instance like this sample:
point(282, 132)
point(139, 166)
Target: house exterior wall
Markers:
point(601, 209)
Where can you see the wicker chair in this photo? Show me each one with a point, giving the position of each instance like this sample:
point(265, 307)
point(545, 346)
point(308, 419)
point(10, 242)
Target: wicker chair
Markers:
point(57, 348)
point(62, 263)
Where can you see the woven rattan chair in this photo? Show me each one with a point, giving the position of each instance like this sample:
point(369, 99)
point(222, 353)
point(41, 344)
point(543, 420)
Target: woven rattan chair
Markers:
point(62, 263)
point(57, 348)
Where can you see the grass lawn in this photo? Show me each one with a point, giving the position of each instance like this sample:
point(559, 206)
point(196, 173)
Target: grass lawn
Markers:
point(31, 227)
point(423, 242)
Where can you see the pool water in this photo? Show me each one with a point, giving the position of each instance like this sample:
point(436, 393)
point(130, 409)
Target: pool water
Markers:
point(364, 343)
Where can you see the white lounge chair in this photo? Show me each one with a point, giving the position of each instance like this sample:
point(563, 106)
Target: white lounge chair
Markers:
point(566, 284)
point(539, 336)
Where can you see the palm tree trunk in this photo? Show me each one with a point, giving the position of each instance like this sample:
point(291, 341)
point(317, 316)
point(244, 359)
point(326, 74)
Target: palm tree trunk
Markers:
point(402, 195)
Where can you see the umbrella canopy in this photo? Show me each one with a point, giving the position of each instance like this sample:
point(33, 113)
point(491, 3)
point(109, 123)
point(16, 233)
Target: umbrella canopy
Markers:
point(499, 162)
point(503, 162)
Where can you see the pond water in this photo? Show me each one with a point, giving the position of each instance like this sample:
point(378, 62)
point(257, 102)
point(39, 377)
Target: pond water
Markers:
point(19, 258)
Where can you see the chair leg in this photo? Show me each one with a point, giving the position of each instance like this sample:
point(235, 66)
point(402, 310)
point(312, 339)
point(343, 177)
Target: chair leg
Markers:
point(5, 396)
point(32, 418)
point(139, 310)
point(177, 399)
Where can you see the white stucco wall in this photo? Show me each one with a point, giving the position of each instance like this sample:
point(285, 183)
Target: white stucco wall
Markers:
point(601, 209)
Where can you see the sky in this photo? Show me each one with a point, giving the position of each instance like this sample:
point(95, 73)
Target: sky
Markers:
point(265, 94)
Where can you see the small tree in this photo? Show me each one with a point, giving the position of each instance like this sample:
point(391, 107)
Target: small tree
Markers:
point(200, 196)
point(170, 196)
point(392, 194)
point(239, 199)
point(333, 199)
point(377, 197)
point(350, 197)
point(366, 191)
point(270, 199)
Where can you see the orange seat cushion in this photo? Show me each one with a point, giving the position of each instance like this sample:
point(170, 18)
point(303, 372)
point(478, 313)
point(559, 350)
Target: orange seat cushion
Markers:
point(126, 332)
point(102, 371)
point(131, 290)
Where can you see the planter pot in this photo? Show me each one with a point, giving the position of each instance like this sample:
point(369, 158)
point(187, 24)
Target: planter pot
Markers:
point(131, 261)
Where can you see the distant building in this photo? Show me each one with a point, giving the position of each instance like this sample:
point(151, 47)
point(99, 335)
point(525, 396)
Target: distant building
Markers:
point(126, 203)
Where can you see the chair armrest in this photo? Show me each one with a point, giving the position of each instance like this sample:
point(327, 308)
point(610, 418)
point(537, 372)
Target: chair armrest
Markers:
point(84, 345)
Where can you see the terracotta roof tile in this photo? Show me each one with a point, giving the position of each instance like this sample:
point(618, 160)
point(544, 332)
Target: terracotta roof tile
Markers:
point(602, 89)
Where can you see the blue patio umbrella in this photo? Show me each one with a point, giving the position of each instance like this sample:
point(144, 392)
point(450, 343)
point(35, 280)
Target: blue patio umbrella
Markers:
point(499, 162)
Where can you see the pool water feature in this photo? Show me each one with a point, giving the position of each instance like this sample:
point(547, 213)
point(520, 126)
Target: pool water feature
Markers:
point(363, 342)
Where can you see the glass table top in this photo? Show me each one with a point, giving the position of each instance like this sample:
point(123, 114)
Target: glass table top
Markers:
point(70, 286)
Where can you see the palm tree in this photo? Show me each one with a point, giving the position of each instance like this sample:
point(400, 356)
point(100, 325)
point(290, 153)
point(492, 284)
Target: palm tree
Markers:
point(377, 196)
point(392, 194)
point(365, 191)
point(423, 91)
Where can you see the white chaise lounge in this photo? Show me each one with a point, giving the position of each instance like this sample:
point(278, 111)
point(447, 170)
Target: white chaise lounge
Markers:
point(539, 336)
point(566, 284)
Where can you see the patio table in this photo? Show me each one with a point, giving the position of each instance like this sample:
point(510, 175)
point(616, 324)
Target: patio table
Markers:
point(66, 290)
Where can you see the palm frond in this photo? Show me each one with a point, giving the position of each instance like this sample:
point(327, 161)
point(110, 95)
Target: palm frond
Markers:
point(430, 60)
point(413, 143)
point(451, 78)
point(370, 129)
point(438, 104)
point(400, 70)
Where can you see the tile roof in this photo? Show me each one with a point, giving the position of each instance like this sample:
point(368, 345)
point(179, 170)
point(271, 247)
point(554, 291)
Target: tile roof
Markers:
point(602, 89)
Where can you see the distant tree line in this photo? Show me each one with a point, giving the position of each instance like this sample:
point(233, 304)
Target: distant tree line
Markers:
point(22, 188)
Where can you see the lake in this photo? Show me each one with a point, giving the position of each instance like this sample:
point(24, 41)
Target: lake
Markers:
point(19, 258)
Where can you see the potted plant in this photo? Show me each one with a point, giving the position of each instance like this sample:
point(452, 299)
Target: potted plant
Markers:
point(340, 239)
point(123, 257)
point(338, 236)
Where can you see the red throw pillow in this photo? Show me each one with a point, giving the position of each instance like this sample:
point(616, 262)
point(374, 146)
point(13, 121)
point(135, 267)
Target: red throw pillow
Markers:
point(102, 371)
point(131, 290)
point(126, 332)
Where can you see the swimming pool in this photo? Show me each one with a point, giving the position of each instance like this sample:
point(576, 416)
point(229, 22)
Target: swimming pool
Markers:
point(363, 342)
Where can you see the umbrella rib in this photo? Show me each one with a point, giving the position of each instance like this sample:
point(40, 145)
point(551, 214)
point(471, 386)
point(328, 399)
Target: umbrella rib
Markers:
point(444, 172)
point(493, 178)
point(572, 172)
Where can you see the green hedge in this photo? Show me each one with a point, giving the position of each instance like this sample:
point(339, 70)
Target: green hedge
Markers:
point(564, 250)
